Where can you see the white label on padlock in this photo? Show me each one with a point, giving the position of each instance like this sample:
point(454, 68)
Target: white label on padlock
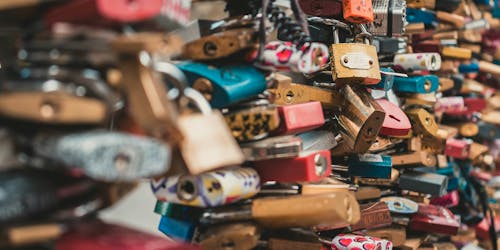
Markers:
point(371, 158)
point(357, 60)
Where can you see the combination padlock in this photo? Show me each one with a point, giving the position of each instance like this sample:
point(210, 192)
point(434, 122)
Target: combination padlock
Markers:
point(355, 62)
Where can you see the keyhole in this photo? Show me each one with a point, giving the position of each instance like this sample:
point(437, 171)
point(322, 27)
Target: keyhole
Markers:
point(210, 48)
point(48, 110)
point(289, 95)
point(395, 118)
point(187, 190)
point(121, 162)
point(227, 244)
point(433, 61)
point(320, 163)
point(427, 120)
point(427, 86)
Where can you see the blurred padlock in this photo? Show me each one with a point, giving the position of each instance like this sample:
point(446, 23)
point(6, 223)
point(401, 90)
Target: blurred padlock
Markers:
point(358, 11)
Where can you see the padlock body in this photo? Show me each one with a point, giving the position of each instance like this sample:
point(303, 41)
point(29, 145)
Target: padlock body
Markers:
point(434, 219)
point(371, 166)
point(358, 11)
point(355, 63)
point(416, 84)
point(298, 118)
point(321, 7)
point(309, 166)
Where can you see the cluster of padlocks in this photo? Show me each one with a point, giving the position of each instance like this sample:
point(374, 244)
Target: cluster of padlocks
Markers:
point(289, 124)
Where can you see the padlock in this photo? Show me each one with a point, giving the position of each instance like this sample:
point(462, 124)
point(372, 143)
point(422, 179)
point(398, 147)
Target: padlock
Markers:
point(491, 117)
point(285, 56)
point(415, 158)
point(400, 205)
point(103, 12)
point(272, 148)
point(417, 61)
point(238, 236)
point(420, 16)
point(387, 80)
point(422, 122)
point(146, 93)
point(353, 241)
point(177, 229)
point(321, 7)
point(456, 52)
point(358, 11)
point(310, 113)
point(389, 18)
point(292, 211)
point(424, 100)
point(458, 148)
point(318, 140)
point(488, 130)
point(98, 235)
point(396, 123)
point(471, 86)
point(355, 62)
point(382, 144)
point(370, 166)
point(361, 118)
point(434, 219)
point(283, 244)
point(388, 45)
point(373, 215)
point(412, 244)
point(209, 189)
point(367, 194)
point(450, 172)
point(306, 167)
point(224, 85)
point(293, 93)
point(455, 19)
point(219, 45)
point(394, 234)
point(107, 156)
point(428, 183)
point(208, 143)
point(450, 105)
point(416, 84)
point(446, 132)
point(380, 182)
point(448, 200)
point(253, 123)
point(55, 107)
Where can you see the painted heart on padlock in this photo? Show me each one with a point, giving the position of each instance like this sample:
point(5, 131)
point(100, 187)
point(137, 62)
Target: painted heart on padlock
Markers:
point(358, 242)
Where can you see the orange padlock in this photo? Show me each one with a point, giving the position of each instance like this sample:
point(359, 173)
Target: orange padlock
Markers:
point(358, 11)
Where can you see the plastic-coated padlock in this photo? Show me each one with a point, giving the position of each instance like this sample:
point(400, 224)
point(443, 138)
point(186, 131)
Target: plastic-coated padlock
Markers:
point(396, 123)
point(219, 45)
point(107, 156)
point(353, 241)
point(416, 84)
point(358, 11)
point(420, 16)
point(371, 166)
point(298, 118)
point(427, 183)
point(417, 62)
point(308, 166)
point(321, 7)
point(209, 189)
point(177, 229)
point(458, 148)
point(355, 62)
point(286, 56)
point(224, 85)
point(451, 199)
point(434, 219)
point(104, 12)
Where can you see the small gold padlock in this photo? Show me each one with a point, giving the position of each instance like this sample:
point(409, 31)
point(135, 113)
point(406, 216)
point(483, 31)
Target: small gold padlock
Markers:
point(355, 62)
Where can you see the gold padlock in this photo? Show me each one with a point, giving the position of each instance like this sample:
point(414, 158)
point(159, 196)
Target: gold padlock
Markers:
point(423, 122)
point(253, 123)
point(294, 93)
point(355, 62)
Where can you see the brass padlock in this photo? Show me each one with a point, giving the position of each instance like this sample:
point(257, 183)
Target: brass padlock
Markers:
point(423, 122)
point(355, 62)
point(253, 123)
point(207, 140)
point(360, 118)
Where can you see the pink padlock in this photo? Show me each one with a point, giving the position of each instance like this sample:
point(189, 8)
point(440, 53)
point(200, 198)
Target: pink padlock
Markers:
point(359, 242)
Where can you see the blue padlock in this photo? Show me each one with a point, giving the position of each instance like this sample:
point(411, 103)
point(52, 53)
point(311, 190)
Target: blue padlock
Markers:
point(420, 16)
point(224, 85)
point(370, 166)
point(416, 84)
point(387, 80)
point(177, 229)
point(468, 68)
point(178, 211)
point(488, 131)
point(452, 173)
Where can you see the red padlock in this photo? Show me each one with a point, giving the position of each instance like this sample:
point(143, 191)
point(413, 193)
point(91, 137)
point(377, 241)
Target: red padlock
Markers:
point(307, 167)
point(458, 148)
point(358, 11)
point(450, 199)
point(298, 118)
point(483, 228)
point(104, 12)
point(396, 123)
point(434, 219)
point(321, 7)
point(471, 105)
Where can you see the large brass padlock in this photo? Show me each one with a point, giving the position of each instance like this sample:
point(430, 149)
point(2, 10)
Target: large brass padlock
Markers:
point(355, 62)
